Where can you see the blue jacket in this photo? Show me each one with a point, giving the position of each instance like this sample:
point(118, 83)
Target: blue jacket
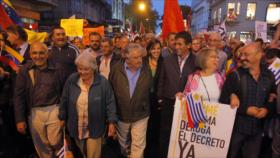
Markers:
point(101, 105)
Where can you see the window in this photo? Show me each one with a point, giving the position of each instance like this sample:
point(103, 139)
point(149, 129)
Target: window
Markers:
point(273, 13)
point(231, 16)
point(238, 8)
point(251, 11)
point(219, 15)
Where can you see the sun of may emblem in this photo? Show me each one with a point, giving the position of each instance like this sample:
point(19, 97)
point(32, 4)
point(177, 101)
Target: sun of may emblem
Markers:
point(277, 65)
point(196, 97)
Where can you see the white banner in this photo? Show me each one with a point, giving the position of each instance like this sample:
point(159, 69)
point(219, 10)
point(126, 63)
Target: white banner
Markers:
point(261, 30)
point(211, 141)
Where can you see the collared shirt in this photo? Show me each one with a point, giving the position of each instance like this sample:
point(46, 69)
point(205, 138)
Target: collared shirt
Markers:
point(256, 91)
point(256, 95)
point(132, 78)
point(82, 109)
point(104, 67)
point(23, 48)
point(45, 89)
point(182, 62)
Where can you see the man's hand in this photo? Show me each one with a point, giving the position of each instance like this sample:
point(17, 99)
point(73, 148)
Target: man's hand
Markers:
point(21, 127)
point(234, 101)
point(253, 111)
point(262, 112)
point(111, 130)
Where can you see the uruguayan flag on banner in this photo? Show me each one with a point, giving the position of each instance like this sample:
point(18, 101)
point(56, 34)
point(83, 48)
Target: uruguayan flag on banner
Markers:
point(275, 69)
point(195, 111)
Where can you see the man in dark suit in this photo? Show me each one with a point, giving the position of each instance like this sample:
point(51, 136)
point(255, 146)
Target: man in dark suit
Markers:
point(108, 58)
point(17, 37)
point(173, 77)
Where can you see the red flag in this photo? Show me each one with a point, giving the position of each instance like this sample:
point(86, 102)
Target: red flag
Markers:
point(5, 20)
point(142, 29)
point(172, 18)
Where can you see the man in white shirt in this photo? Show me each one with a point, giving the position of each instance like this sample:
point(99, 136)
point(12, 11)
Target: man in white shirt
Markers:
point(17, 37)
point(108, 57)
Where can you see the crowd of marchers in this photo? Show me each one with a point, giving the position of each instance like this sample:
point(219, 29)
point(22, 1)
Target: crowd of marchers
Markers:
point(124, 90)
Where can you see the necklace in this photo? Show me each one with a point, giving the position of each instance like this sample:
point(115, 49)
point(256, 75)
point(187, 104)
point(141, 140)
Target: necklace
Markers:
point(205, 88)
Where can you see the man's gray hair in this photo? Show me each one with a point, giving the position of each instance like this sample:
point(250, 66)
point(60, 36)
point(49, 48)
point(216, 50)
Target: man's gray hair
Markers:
point(134, 47)
point(86, 59)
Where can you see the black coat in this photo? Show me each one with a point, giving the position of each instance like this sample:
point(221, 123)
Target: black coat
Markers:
point(170, 81)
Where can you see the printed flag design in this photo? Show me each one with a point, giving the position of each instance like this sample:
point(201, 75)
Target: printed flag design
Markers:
point(195, 111)
point(275, 69)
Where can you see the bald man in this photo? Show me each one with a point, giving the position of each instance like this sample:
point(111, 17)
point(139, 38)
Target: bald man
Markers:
point(215, 42)
point(37, 93)
point(253, 83)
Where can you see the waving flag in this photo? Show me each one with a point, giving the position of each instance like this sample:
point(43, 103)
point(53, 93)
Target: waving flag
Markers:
point(195, 111)
point(222, 30)
point(172, 18)
point(10, 11)
point(275, 69)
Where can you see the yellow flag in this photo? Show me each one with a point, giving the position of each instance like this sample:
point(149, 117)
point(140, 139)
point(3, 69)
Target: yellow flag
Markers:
point(73, 27)
point(36, 36)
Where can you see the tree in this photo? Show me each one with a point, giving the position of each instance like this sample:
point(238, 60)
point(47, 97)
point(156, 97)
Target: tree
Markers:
point(148, 16)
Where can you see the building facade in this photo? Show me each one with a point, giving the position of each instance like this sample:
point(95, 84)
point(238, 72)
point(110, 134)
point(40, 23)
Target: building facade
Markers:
point(200, 16)
point(118, 10)
point(96, 11)
point(30, 11)
point(240, 16)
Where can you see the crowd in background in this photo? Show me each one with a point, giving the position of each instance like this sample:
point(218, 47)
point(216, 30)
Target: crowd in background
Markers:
point(119, 89)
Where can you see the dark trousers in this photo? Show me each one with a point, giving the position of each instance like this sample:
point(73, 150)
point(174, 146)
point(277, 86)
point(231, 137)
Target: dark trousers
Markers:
point(246, 145)
point(153, 132)
point(166, 116)
point(276, 140)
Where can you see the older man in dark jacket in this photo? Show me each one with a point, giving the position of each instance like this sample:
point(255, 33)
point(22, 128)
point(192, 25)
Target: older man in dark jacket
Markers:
point(37, 92)
point(131, 81)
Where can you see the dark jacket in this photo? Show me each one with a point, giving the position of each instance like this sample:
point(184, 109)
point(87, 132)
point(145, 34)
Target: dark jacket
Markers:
point(170, 81)
point(236, 83)
point(137, 107)
point(114, 60)
point(6, 84)
point(101, 105)
point(153, 93)
point(24, 89)
point(65, 56)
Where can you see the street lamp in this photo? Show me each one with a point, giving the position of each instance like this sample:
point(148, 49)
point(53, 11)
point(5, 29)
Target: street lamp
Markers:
point(142, 6)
